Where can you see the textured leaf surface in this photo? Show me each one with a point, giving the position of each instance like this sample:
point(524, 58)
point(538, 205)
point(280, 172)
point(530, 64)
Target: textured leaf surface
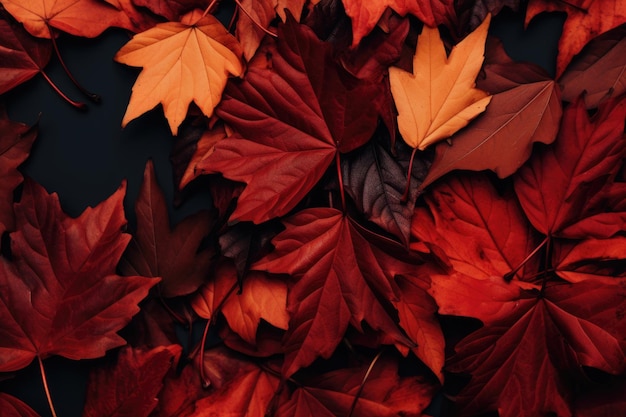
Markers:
point(182, 62)
point(60, 294)
point(439, 97)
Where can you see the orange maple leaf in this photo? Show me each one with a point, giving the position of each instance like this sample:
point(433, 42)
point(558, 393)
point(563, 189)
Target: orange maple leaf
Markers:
point(439, 97)
point(88, 18)
point(183, 62)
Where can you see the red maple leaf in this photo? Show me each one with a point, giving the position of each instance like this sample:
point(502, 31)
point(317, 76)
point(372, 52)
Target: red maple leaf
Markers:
point(13, 407)
point(566, 189)
point(156, 250)
point(129, 387)
point(292, 120)
point(16, 140)
point(60, 294)
point(340, 275)
point(538, 330)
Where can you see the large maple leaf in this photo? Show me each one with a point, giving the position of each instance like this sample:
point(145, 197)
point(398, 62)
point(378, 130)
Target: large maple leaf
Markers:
point(538, 331)
point(22, 56)
point(16, 140)
point(586, 19)
point(365, 14)
point(129, 388)
point(341, 280)
point(88, 18)
point(565, 189)
point(292, 119)
point(60, 294)
point(439, 97)
point(156, 250)
point(183, 62)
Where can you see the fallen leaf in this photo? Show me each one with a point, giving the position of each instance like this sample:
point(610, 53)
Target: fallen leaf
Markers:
point(183, 62)
point(291, 121)
point(365, 15)
point(60, 294)
point(439, 97)
point(21, 56)
point(339, 275)
point(384, 393)
point(247, 31)
point(586, 19)
point(590, 259)
point(132, 18)
point(13, 407)
point(375, 180)
point(260, 298)
point(599, 70)
point(295, 7)
point(564, 188)
point(16, 140)
point(475, 11)
point(172, 10)
point(87, 18)
point(157, 250)
point(129, 387)
point(502, 140)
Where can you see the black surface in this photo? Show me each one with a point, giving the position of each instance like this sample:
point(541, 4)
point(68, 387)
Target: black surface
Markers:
point(84, 156)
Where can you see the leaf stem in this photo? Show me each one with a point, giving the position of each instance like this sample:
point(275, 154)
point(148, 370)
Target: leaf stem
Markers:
point(208, 9)
point(93, 97)
point(407, 190)
point(45, 386)
point(255, 21)
point(367, 374)
point(509, 275)
point(78, 104)
point(340, 177)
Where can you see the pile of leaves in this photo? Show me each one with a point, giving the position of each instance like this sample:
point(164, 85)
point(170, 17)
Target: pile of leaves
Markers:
point(382, 173)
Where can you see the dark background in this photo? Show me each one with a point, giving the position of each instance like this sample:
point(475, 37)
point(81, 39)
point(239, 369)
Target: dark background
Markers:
point(85, 155)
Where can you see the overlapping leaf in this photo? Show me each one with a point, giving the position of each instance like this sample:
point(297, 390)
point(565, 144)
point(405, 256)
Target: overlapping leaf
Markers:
point(339, 274)
point(183, 62)
point(292, 119)
point(565, 189)
point(156, 250)
point(60, 295)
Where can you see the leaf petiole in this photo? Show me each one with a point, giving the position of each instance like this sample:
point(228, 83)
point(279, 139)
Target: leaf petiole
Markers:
point(340, 178)
point(509, 275)
point(78, 104)
point(93, 97)
point(367, 374)
point(407, 190)
point(260, 26)
point(45, 386)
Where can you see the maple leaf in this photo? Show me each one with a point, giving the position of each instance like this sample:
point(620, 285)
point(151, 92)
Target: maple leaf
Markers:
point(292, 121)
point(525, 364)
point(16, 140)
point(439, 97)
point(87, 18)
point(158, 251)
point(13, 407)
point(564, 188)
point(475, 11)
point(129, 387)
point(182, 62)
point(132, 18)
point(503, 138)
point(247, 31)
point(384, 393)
point(375, 180)
point(260, 298)
point(340, 280)
point(365, 15)
point(60, 294)
point(294, 6)
point(586, 19)
point(22, 56)
point(599, 70)
point(590, 259)
point(235, 386)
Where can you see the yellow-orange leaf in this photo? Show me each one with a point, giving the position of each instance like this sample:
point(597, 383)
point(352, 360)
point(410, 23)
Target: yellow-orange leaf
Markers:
point(439, 97)
point(182, 63)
